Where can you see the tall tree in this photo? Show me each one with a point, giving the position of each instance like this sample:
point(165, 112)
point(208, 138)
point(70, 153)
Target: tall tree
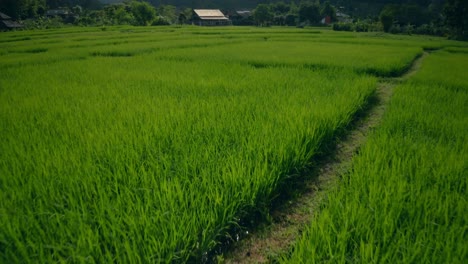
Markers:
point(262, 14)
point(280, 8)
point(456, 17)
point(20, 9)
point(309, 12)
point(143, 12)
point(387, 17)
point(169, 12)
point(329, 10)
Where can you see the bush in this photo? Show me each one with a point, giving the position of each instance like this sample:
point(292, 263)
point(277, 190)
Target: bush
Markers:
point(424, 29)
point(43, 23)
point(395, 29)
point(361, 27)
point(143, 12)
point(430, 29)
point(343, 27)
point(408, 29)
point(291, 19)
point(160, 21)
point(373, 27)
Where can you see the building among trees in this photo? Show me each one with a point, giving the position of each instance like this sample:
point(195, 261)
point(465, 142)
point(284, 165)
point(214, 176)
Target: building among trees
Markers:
point(6, 23)
point(241, 17)
point(210, 17)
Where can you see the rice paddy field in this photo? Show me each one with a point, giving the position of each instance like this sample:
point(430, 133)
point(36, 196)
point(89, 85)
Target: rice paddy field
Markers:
point(404, 201)
point(149, 145)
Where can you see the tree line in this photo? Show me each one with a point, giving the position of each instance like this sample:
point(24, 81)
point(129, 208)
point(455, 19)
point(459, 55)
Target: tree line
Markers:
point(430, 17)
point(306, 13)
point(436, 17)
point(23, 9)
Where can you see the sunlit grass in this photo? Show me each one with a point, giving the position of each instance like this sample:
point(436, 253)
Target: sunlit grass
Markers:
point(405, 198)
point(391, 61)
point(122, 161)
point(128, 144)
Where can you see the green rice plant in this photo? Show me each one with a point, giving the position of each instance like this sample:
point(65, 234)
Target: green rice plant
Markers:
point(154, 157)
point(62, 52)
point(391, 61)
point(404, 200)
point(132, 163)
point(457, 49)
point(34, 50)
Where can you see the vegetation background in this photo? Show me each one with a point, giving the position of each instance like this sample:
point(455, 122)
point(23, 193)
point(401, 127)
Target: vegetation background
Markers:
point(431, 17)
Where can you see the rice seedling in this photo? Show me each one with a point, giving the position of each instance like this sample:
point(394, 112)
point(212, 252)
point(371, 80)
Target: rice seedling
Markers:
point(405, 198)
point(391, 61)
point(153, 156)
point(132, 163)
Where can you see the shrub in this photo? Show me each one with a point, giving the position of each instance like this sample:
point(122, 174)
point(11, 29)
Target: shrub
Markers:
point(343, 27)
point(395, 29)
point(372, 27)
point(43, 23)
point(361, 27)
point(408, 29)
point(160, 21)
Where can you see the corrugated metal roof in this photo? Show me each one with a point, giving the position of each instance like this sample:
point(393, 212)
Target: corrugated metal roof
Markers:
point(4, 16)
point(11, 24)
point(244, 12)
point(214, 18)
point(207, 13)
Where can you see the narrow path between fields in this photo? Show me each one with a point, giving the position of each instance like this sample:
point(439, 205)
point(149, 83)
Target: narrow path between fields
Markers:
point(288, 219)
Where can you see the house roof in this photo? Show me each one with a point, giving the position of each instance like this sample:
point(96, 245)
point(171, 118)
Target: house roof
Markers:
point(210, 14)
point(4, 16)
point(244, 12)
point(343, 15)
point(11, 24)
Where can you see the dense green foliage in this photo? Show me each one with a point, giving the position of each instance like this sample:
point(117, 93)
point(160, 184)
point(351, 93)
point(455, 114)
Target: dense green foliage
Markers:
point(310, 12)
point(143, 13)
point(405, 199)
point(456, 16)
point(134, 145)
point(262, 14)
point(20, 9)
point(431, 17)
point(317, 53)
